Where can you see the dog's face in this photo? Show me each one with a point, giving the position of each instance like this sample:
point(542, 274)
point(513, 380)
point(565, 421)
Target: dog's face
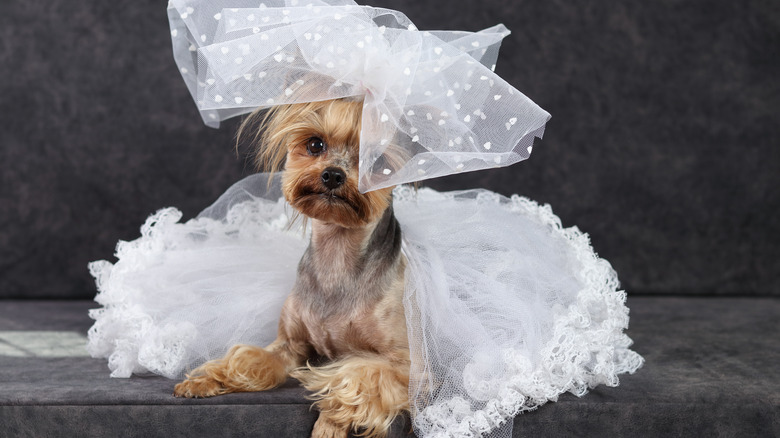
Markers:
point(319, 143)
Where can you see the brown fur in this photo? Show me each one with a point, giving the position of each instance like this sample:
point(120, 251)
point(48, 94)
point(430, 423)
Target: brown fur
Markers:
point(346, 307)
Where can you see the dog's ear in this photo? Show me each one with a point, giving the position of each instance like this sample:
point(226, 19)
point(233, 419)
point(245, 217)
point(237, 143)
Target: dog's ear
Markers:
point(264, 130)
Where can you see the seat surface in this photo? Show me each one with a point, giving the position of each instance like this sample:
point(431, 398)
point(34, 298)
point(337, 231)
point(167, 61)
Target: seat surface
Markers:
point(711, 369)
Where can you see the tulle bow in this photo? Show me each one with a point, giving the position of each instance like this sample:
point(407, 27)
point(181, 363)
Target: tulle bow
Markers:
point(432, 104)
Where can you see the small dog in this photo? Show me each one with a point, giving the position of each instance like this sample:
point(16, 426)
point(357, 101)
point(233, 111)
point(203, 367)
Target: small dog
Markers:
point(345, 312)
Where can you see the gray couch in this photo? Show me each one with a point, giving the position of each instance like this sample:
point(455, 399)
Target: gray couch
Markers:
point(663, 147)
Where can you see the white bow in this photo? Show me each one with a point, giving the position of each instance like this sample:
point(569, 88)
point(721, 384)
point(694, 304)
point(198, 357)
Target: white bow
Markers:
point(432, 106)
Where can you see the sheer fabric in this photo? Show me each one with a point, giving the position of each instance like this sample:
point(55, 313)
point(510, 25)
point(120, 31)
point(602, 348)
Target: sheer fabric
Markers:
point(432, 104)
point(505, 308)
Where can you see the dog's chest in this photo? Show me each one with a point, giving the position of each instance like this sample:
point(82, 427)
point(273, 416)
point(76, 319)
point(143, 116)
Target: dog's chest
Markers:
point(348, 293)
point(345, 331)
point(354, 319)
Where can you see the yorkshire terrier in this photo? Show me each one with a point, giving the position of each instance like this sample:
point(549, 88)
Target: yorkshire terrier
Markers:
point(342, 330)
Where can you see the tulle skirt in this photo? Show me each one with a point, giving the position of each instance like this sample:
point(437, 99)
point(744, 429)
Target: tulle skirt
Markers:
point(505, 309)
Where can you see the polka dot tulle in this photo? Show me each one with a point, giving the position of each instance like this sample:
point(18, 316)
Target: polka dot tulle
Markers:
point(432, 104)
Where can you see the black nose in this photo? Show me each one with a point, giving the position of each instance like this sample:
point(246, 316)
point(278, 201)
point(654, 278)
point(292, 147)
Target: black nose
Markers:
point(333, 177)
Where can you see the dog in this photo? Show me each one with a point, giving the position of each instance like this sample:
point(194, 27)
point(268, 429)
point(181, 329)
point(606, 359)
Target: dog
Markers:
point(342, 330)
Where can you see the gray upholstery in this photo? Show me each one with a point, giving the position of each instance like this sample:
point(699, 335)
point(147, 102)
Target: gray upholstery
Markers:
point(711, 371)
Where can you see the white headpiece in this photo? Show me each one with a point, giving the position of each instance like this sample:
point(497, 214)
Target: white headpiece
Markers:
point(431, 99)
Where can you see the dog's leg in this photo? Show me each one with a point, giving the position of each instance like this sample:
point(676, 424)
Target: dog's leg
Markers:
point(244, 368)
point(364, 393)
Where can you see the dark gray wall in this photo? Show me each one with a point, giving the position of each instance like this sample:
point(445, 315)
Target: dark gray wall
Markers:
point(663, 142)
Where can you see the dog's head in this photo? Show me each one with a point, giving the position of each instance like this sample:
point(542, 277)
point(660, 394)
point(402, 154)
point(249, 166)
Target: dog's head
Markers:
point(318, 145)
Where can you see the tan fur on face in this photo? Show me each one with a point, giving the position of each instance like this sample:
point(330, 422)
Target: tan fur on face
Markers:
point(283, 126)
point(288, 128)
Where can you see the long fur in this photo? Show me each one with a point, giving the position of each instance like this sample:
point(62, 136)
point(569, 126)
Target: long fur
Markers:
point(345, 313)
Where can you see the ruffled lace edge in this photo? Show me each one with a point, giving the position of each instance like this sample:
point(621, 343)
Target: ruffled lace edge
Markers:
point(127, 335)
point(588, 346)
point(120, 325)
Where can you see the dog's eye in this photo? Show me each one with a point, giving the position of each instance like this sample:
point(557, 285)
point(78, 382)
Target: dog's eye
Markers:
point(315, 146)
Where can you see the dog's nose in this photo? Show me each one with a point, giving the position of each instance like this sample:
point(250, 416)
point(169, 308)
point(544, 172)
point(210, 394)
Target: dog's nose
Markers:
point(333, 177)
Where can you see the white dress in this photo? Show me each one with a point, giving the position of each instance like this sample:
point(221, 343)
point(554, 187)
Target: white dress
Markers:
point(505, 309)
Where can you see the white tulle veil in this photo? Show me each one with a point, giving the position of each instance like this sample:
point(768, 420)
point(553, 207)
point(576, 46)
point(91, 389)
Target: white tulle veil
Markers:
point(430, 97)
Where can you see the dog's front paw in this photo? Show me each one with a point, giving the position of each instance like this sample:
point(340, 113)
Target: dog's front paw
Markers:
point(325, 428)
point(200, 386)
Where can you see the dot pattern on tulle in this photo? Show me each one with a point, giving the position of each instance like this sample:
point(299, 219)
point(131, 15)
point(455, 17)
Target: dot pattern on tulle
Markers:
point(423, 91)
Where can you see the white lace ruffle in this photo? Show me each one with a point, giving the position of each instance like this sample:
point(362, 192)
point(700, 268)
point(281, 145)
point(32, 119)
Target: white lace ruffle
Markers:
point(183, 293)
point(583, 346)
point(506, 309)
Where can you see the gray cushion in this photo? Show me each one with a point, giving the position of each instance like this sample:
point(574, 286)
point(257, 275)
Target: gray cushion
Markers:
point(711, 371)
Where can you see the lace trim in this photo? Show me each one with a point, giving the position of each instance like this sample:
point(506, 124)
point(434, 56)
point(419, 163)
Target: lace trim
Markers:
point(588, 346)
point(122, 327)
point(125, 332)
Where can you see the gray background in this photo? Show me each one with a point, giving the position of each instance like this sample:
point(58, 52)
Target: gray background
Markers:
point(662, 146)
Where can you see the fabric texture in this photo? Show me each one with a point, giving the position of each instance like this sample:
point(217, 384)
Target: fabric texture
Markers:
point(505, 309)
point(432, 105)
